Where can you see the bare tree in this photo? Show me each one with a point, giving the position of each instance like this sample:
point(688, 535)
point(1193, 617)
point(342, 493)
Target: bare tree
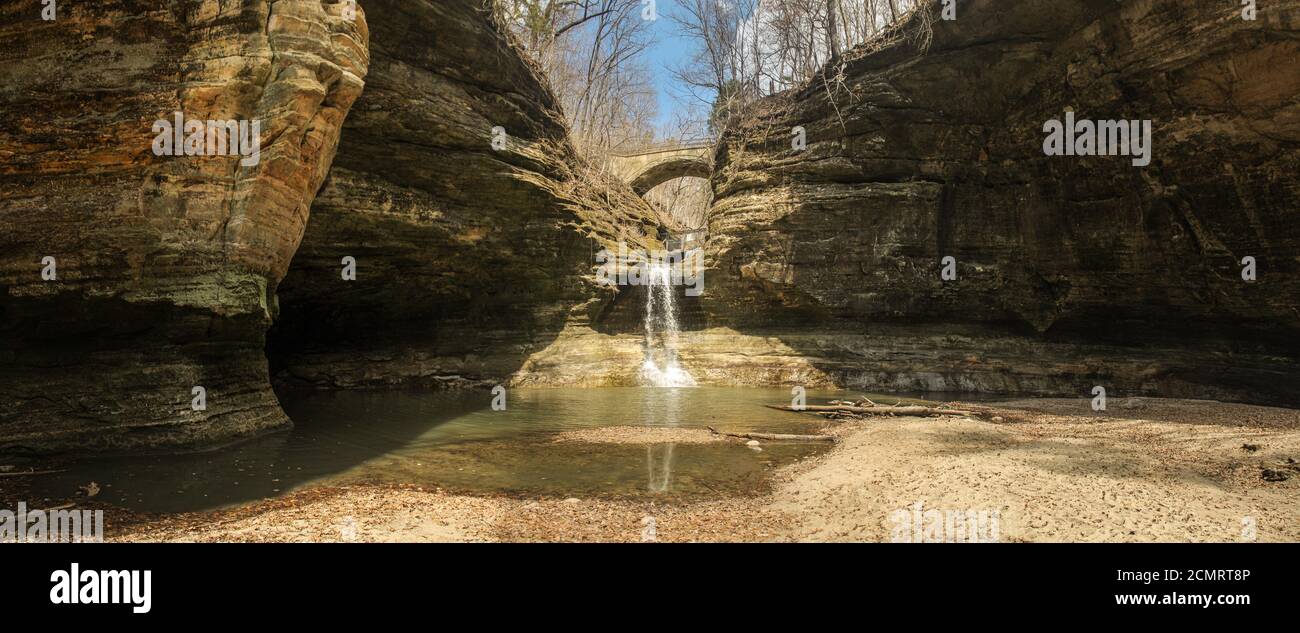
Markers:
point(743, 49)
point(723, 70)
point(543, 21)
point(683, 203)
point(740, 50)
point(832, 31)
point(591, 51)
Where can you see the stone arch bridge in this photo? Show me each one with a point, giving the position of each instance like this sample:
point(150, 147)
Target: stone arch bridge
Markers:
point(646, 167)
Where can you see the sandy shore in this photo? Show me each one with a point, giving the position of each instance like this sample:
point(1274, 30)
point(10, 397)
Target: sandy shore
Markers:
point(1046, 470)
point(639, 435)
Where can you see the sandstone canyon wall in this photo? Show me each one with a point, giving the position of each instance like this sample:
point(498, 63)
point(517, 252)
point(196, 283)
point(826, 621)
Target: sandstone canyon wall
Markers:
point(471, 261)
point(474, 263)
point(165, 267)
point(1072, 271)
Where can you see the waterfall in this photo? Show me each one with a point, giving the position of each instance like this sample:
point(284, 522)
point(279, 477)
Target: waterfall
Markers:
point(660, 367)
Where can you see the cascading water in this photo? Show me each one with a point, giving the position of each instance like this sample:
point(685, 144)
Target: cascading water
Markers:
point(660, 367)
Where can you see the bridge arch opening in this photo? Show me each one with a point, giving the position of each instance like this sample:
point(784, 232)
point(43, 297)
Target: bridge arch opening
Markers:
point(683, 203)
point(652, 166)
point(670, 169)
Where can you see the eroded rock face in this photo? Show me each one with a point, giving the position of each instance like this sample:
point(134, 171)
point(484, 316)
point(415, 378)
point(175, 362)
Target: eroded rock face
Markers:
point(166, 265)
point(1072, 271)
point(468, 258)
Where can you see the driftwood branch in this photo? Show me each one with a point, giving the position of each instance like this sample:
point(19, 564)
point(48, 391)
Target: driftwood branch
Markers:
point(861, 402)
point(913, 410)
point(30, 472)
point(775, 436)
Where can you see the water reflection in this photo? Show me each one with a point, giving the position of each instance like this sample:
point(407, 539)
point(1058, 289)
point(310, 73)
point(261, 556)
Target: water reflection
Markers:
point(659, 463)
point(664, 411)
point(455, 441)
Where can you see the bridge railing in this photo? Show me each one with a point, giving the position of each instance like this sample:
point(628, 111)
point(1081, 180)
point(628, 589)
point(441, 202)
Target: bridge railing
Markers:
point(663, 146)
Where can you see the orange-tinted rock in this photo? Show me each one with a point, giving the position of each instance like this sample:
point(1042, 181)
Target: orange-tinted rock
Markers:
point(166, 265)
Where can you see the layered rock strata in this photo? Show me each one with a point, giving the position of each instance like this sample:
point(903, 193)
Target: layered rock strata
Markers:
point(129, 278)
point(1071, 271)
point(470, 255)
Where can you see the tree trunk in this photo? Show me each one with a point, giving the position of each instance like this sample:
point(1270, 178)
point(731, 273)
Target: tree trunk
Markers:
point(832, 29)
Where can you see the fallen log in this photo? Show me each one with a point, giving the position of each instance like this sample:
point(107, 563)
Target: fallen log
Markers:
point(30, 472)
point(913, 410)
point(775, 436)
point(864, 402)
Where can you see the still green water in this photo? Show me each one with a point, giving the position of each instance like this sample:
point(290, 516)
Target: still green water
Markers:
point(456, 441)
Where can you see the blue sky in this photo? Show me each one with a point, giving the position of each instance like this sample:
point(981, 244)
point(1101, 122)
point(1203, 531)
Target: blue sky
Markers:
point(668, 51)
